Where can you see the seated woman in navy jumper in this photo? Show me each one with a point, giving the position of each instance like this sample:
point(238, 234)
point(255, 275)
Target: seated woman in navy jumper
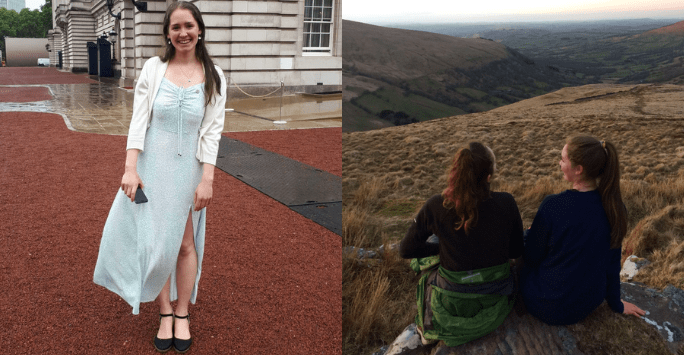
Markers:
point(573, 249)
point(471, 292)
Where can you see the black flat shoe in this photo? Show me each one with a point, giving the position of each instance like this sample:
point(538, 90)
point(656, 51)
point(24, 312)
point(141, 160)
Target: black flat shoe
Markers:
point(163, 345)
point(182, 345)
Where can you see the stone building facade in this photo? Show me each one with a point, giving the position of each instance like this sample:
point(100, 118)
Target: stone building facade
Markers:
point(257, 43)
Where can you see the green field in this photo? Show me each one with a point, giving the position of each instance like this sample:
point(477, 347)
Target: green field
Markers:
point(472, 93)
point(356, 119)
point(390, 97)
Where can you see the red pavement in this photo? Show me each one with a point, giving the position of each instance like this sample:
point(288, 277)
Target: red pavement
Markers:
point(271, 279)
point(24, 94)
point(40, 75)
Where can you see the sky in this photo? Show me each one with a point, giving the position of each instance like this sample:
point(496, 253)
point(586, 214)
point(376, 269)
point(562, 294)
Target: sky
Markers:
point(34, 4)
point(436, 11)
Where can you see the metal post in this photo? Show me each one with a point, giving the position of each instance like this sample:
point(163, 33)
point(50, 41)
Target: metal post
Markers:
point(281, 99)
point(280, 121)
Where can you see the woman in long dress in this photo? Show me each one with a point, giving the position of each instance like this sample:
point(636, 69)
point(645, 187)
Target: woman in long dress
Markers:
point(153, 251)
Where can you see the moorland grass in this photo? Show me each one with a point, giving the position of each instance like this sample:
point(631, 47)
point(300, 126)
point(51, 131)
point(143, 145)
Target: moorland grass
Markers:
point(389, 173)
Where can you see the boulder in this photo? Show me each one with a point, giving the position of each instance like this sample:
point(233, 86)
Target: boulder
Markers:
point(360, 253)
point(522, 333)
point(665, 310)
point(631, 267)
point(517, 335)
point(408, 343)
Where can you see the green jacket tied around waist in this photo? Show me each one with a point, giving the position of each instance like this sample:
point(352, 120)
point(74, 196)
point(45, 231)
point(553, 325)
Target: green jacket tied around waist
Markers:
point(461, 306)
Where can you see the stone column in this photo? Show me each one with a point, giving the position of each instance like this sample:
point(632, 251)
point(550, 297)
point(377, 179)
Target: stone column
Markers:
point(126, 43)
point(61, 23)
point(148, 40)
point(55, 41)
point(80, 29)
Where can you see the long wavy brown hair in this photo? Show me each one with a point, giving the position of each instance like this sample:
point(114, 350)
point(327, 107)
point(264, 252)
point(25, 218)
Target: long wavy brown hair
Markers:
point(212, 80)
point(468, 184)
point(599, 159)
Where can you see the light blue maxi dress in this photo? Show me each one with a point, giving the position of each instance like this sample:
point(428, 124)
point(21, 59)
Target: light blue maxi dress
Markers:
point(140, 242)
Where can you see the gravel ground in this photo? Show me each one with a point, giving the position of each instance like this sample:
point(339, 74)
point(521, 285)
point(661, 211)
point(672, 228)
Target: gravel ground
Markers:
point(271, 280)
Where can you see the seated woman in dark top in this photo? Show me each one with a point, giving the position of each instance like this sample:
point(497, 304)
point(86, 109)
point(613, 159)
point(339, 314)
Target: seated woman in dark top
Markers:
point(573, 249)
point(470, 294)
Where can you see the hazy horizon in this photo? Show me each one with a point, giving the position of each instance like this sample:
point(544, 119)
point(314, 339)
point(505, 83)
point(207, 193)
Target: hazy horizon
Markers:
point(494, 11)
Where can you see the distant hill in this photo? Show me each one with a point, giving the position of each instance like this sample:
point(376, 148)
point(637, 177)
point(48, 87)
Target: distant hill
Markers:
point(619, 52)
point(398, 54)
point(674, 29)
point(407, 76)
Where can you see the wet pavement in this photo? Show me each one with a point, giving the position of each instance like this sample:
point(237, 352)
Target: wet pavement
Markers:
point(106, 108)
point(298, 111)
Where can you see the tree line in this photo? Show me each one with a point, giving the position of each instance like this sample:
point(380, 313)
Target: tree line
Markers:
point(25, 24)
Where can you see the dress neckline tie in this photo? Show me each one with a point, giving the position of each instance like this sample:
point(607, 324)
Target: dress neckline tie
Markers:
point(181, 96)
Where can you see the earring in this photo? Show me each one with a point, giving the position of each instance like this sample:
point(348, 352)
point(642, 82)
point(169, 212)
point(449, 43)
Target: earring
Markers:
point(199, 37)
point(168, 41)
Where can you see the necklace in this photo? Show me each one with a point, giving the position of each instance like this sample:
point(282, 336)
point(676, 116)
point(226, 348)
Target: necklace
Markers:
point(183, 72)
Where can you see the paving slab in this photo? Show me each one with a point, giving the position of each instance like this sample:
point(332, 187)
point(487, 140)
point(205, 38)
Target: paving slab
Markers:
point(311, 192)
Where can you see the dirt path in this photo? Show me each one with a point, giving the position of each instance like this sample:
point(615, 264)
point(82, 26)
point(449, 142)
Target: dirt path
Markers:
point(271, 279)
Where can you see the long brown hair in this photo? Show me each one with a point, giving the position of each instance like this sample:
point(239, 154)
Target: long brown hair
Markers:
point(467, 183)
point(212, 80)
point(599, 159)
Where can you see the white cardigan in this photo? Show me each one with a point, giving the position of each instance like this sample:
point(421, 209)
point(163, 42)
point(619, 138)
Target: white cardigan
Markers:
point(145, 92)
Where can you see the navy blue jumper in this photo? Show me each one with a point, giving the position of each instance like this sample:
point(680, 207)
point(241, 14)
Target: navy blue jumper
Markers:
point(569, 266)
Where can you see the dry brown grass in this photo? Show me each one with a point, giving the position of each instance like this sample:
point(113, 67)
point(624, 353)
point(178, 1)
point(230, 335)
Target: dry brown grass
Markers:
point(391, 166)
point(660, 238)
point(379, 299)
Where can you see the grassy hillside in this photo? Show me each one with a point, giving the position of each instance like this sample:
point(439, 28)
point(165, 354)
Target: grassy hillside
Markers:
point(389, 173)
point(396, 54)
point(425, 75)
point(649, 56)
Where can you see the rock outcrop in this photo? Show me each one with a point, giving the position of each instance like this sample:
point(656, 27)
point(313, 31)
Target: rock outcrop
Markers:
point(517, 335)
point(665, 310)
point(521, 333)
point(631, 267)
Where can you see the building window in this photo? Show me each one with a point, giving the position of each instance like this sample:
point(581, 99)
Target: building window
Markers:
point(318, 26)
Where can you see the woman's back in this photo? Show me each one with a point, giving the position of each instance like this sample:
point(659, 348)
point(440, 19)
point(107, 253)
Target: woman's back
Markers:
point(495, 238)
point(569, 266)
point(468, 291)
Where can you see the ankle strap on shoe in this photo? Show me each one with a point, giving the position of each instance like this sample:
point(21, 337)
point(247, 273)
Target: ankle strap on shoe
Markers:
point(165, 315)
point(183, 317)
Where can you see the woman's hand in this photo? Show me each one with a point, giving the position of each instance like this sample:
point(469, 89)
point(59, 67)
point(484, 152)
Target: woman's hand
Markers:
point(130, 182)
point(203, 194)
point(632, 309)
